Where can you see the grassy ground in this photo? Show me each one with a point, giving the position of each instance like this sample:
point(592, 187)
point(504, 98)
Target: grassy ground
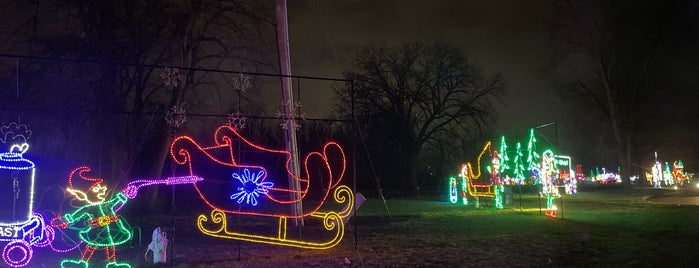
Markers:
point(596, 229)
point(601, 228)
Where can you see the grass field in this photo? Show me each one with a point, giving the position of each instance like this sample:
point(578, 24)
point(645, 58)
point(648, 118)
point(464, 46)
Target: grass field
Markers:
point(602, 228)
point(598, 228)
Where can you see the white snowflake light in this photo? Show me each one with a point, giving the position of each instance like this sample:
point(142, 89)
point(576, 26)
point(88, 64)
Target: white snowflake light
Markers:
point(237, 120)
point(290, 119)
point(251, 187)
point(175, 117)
point(171, 76)
point(241, 82)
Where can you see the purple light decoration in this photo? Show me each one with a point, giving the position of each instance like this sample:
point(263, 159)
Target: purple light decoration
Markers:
point(132, 188)
point(251, 187)
point(58, 250)
point(25, 251)
point(21, 237)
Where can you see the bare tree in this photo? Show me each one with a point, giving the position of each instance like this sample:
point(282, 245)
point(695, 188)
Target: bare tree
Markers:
point(128, 41)
point(609, 50)
point(415, 94)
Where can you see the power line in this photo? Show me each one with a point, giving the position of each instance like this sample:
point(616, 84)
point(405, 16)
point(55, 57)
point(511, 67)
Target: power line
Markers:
point(33, 109)
point(6, 55)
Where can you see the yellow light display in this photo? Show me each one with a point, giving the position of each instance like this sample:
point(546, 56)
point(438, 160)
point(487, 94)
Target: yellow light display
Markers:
point(477, 189)
point(331, 221)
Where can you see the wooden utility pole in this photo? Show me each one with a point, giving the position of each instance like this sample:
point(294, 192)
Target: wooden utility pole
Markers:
point(288, 104)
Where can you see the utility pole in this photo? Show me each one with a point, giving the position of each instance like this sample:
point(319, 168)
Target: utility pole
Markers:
point(288, 105)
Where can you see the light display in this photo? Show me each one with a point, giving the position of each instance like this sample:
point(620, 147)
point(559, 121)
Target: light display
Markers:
point(176, 116)
point(464, 190)
point(251, 187)
point(236, 163)
point(474, 188)
point(331, 222)
point(553, 172)
point(14, 133)
point(667, 175)
point(237, 120)
point(604, 177)
point(97, 223)
point(657, 174)
point(565, 176)
point(548, 184)
point(532, 156)
point(455, 191)
point(21, 237)
point(678, 173)
point(20, 227)
point(675, 176)
point(504, 158)
point(518, 172)
point(579, 175)
point(453, 188)
point(478, 188)
point(20, 172)
point(499, 190)
point(290, 118)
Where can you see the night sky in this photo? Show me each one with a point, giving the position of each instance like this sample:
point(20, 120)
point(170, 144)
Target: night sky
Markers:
point(506, 36)
point(500, 36)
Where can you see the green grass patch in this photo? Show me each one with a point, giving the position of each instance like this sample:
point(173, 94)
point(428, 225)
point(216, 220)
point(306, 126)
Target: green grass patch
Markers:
point(606, 228)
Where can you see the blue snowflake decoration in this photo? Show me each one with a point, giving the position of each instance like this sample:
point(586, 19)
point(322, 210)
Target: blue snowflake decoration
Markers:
point(251, 187)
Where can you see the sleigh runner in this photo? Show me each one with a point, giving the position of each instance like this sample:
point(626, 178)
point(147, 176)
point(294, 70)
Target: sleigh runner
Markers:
point(244, 179)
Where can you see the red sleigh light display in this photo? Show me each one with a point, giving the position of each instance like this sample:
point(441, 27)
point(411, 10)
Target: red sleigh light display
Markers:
point(242, 178)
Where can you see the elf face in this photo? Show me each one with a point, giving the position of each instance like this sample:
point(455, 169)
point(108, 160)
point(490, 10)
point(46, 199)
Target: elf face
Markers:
point(94, 195)
point(97, 193)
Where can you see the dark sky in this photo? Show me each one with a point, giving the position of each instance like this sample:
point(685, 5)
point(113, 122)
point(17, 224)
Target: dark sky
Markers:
point(506, 36)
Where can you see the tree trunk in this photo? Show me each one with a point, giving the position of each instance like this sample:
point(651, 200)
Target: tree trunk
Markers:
point(412, 162)
point(626, 174)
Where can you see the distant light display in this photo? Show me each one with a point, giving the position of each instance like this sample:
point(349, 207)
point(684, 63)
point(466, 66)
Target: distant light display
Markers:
point(657, 174)
point(453, 188)
point(565, 176)
point(668, 176)
point(518, 167)
point(519, 170)
point(548, 185)
point(504, 158)
point(464, 190)
point(532, 156)
point(678, 173)
point(477, 187)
